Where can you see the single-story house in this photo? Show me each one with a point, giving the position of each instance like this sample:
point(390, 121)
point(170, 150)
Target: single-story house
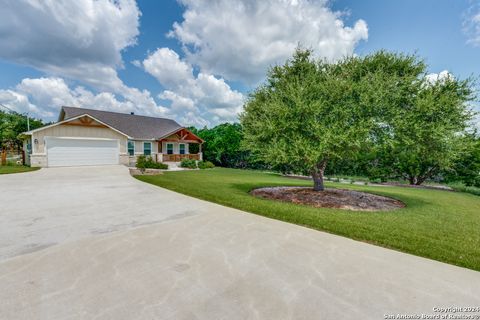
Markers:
point(84, 137)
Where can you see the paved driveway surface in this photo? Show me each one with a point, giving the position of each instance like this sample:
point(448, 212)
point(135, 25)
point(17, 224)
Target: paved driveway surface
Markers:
point(55, 205)
point(198, 261)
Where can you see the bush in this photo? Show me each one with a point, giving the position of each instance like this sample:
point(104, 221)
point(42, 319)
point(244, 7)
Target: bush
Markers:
point(188, 163)
point(461, 187)
point(159, 165)
point(144, 162)
point(205, 165)
point(193, 164)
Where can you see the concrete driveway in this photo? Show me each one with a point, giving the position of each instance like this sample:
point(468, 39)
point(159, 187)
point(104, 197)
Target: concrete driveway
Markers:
point(190, 259)
point(55, 205)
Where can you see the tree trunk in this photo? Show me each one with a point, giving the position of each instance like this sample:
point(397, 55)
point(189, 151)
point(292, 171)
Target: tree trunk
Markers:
point(420, 180)
point(317, 176)
point(412, 180)
point(4, 157)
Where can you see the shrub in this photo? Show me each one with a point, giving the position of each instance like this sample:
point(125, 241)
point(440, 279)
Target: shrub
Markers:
point(461, 187)
point(144, 162)
point(159, 165)
point(141, 160)
point(188, 163)
point(205, 165)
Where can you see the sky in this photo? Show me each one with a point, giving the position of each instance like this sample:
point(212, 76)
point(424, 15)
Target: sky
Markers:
point(196, 60)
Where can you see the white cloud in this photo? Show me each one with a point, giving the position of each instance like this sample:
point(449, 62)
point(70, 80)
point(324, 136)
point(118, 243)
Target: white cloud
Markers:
point(80, 39)
point(439, 77)
point(196, 99)
point(241, 40)
point(178, 103)
point(471, 25)
point(136, 63)
point(43, 97)
point(165, 65)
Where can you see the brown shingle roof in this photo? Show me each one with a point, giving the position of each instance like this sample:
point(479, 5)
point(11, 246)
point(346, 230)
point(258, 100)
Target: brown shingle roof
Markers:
point(137, 127)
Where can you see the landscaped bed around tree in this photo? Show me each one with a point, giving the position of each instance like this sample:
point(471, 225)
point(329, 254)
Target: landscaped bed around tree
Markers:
point(15, 169)
point(330, 198)
point(436, 224)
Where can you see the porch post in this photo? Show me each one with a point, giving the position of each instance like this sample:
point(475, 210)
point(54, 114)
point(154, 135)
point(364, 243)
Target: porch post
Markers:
point(200, 154)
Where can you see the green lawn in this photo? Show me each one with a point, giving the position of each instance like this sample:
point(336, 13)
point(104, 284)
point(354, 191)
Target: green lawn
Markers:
point(440, 225)
point(15, 169)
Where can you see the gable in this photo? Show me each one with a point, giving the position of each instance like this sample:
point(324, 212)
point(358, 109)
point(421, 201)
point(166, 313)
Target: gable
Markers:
point(184, 135)
point(84, 120)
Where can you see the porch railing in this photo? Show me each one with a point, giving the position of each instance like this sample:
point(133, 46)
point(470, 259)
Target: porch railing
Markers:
point(179, 157)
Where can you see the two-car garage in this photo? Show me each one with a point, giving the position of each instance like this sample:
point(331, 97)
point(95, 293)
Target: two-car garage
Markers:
point(79, 141)
point(63, 152)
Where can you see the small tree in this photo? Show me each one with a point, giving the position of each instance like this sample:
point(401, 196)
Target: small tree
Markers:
point(12, 124)
point(308, 113)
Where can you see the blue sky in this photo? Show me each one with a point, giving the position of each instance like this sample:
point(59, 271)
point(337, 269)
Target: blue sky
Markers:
point(195, 60)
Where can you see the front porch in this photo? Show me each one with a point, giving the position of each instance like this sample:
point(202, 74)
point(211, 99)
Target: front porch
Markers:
point(179, 146)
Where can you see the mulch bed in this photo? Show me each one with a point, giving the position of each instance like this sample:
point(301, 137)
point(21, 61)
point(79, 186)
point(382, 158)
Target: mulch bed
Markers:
point(330, 198)
point(146, 172)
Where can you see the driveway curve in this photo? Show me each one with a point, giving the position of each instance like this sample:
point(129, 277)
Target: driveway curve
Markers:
point(106, 246)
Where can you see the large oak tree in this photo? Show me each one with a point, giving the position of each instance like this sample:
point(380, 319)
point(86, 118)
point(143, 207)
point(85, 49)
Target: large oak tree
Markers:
point(309, 112)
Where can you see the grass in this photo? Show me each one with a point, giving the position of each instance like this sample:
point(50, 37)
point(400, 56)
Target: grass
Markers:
point(436, 224)
point(15, 169)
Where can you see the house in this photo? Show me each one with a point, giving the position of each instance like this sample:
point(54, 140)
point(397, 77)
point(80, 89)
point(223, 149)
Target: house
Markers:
point(84, 137)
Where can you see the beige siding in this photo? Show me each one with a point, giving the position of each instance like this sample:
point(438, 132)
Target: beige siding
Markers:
point(78, 132)
point(139, 146)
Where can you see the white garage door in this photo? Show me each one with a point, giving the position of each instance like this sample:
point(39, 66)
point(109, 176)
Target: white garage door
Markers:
point(63, 152)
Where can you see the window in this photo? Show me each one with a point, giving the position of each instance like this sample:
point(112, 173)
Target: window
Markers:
point(131, 147)
point(181, 147)
point(169, 148)
point(147, 148)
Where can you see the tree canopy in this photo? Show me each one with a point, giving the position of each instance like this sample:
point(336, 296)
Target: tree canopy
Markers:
point(427, 134)
point(11, 125)
point(381, 106)
point(222, 145)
